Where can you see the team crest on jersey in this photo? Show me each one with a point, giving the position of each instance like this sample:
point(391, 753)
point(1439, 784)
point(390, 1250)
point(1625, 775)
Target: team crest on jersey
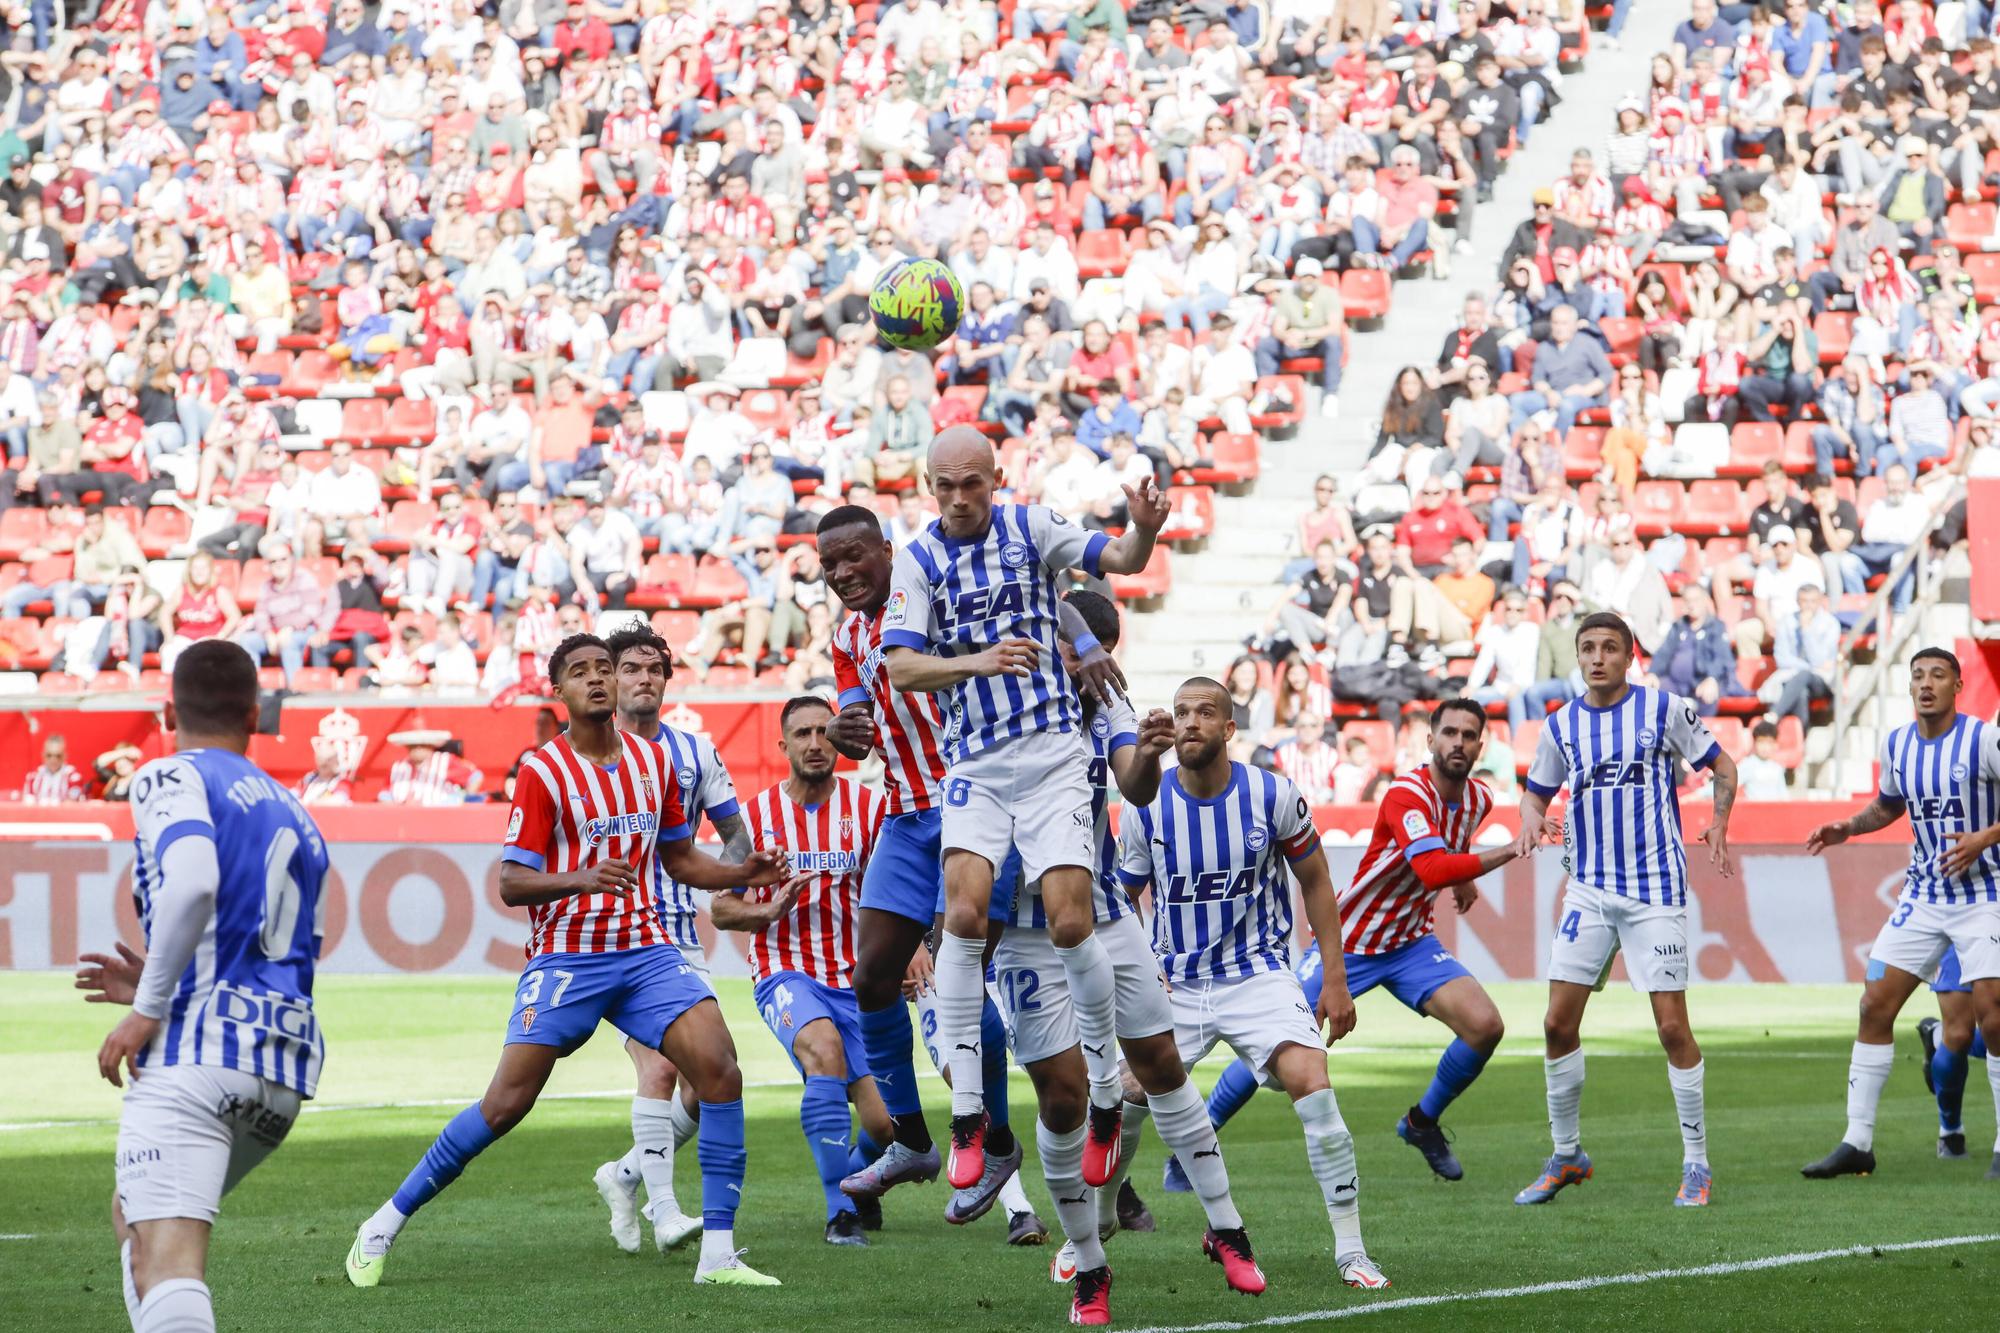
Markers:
point(528, 1019)
point(1100, 725)
point(686, 777)
point(646, 789)
point(1416, 825)
point(1015, 556)
point(846, 830)
point(1958, 772)
point(1646, 737)
point(514, 822)
point(1256, 839)
point(895, 608)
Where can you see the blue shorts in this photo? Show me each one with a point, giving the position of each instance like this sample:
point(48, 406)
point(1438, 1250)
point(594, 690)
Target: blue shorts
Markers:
point(1948, 981)
point(905, 873)
point(1412, 973)
point(790, 1000)
point(563, 996)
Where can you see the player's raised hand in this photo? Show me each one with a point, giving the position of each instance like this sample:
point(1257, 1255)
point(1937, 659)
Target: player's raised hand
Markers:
point(853, 729)
point(612, 875)
point(766, 865)
point(919, 977)
point(1825, 836)
point(787, 896)
point(1156, 732)
point(1530, 836)
point(1463, 896)
point(1098, 673)
point(1147, 505)
point(110, 980)
point(1335, 1013)
point(1717, 838)
point(1964, 852)
point(134, 1033)
point(1010, 657)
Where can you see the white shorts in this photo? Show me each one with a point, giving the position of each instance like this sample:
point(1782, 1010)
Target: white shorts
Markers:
point(1593, 926)
point(1917, 933)
point(1029, 794)
point(1253, 1016)
point(188, 1133)
point(1034, 988)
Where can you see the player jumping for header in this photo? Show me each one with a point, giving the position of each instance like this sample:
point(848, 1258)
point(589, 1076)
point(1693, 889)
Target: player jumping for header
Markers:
point(1943, 770)
point(662, 1122)
point(592, 809)
point(221, 1044)
point(973, 612)
point(1214, 846)
point(1615, 748)
point(1422, 845)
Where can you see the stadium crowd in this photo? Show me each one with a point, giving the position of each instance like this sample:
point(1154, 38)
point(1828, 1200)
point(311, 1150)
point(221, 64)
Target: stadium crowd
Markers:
point(393, 340)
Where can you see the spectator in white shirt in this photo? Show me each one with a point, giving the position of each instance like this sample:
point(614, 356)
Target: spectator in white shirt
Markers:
point(1775, 588)
point(1225, 375)
point(345, 504)
point(605, 547)
point(1047, 258)
point(1759, 774)
point(1070, 484)
point(1507, 646)
point(1893, 525)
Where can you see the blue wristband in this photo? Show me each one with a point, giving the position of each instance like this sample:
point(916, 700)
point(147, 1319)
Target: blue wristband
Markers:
point(1083, 645)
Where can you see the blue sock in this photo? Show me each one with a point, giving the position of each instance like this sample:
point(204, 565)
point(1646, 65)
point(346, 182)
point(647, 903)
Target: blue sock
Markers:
point(993, 1057)
point(1978, 1051)
point(823, 1116)
point(891, 1045)
point(718, 1146)
point(462, 1140)
point(864, 1151)
point(1457, 1067)
point(1231, 1093)
point(1948, 1069)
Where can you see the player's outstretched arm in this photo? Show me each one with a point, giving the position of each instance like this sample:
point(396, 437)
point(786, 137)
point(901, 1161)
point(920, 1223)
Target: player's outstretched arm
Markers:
point(1137, 767)
point(1097, 671)
point(1717, 833)
point(735, 911)
point(734, 831)
point(1877, 814)
point(1336, 1007)
point(916, 672)
point(521, 886)
point(852, 731)
point(1534, 809)
point(1133, 548)
point(110, 979)
point(698, 870)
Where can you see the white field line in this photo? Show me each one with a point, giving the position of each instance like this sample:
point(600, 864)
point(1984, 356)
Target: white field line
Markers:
point(325, 1108)
point(1576, 1284)
point(19, 1235)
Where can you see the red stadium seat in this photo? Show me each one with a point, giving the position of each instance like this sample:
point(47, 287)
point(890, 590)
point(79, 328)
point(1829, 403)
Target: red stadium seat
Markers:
point(21, 527)
point(1712, 507)
point(363, 420)
point(1100, 254)
point(1984, 270)
point(1235, 458)
point(1751, 445)
point(1967, 224)
point(310, 372)
point(1365, 293)
point(165, 528)
point(411, 421)
point(1656, 506)
point(1834, 330)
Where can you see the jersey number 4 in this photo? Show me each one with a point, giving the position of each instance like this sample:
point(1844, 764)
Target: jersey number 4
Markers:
point(1568, 928)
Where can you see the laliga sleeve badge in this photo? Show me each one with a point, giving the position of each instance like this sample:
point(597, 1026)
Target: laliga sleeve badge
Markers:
point(894, 612)
point(514, 822)
point(1416, 825)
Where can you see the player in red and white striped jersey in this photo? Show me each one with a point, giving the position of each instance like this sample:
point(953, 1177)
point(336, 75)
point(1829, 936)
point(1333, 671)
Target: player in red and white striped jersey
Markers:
point(802, 955)
point(57, 780)
point(593, 808)
point(1421, 845)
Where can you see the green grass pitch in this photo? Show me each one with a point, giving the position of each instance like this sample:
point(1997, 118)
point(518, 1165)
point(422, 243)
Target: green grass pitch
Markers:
point(520, 1244)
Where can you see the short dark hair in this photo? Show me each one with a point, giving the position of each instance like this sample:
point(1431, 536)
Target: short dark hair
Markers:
point(639, 634)
point(849, 516)
point(215, 688)
point(1945, 655)
point(798, 703)
point(1610, 620)
point(1763, 729)
point(1208, 683)
point(1100, 616)
point(574, 643)
point(1458, 704)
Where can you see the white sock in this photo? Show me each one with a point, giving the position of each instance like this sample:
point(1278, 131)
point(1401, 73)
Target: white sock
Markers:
point(1093, 994)
point(653, 1140)
point(682, 1122)
point(718, 1247)
point(1564, 1075)
point(131, 1291)
point(629, 1174)
point(1013, 1198)
point(385, 1223)
point(1062, 1168)
point(1688, 1105)
point(1330, 1150)
point(961, 993)
point(1993, 1080)
point(1867, 1071)
point(1182, 1117)
point(1130, 1127)
point(178, 1305)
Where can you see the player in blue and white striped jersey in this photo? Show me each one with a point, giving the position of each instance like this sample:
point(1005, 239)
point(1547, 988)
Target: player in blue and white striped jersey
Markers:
point(972, 613)
point(1943, 771)
point(663, 1123)
point(1215, 846)
point(1617, 747)
point(1035, 992)
point(221, 1043)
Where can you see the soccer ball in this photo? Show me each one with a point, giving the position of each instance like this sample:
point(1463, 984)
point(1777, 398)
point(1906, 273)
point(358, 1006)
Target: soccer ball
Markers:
point(916, 304)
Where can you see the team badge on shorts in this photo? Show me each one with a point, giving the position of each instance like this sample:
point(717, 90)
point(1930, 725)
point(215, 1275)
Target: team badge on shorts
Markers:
point(528, 1019)
point(786, 1018)
point(1256, 838)
point(1015, 556)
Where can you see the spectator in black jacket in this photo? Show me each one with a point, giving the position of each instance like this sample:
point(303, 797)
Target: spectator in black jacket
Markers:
point(1538, 239)
point(1696, 659)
